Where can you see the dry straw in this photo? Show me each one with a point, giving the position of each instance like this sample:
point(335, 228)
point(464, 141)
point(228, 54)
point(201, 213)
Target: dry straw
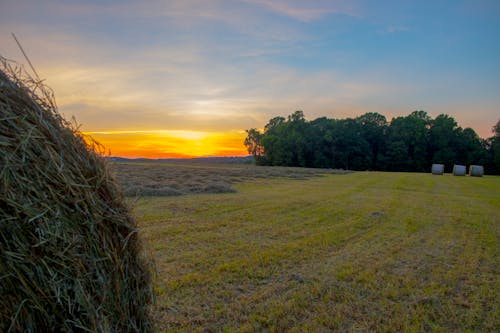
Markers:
point(70, 255)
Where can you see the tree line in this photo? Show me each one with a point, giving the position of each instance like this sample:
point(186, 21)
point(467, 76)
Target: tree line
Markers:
point(370, 142)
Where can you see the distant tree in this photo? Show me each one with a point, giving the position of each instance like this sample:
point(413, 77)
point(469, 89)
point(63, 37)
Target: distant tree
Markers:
point(373, 129)
point(287, 143)
point(254, 145)
point(408, 143)
point(444, 141)
point(495, 148)
point(273, 124)
point(297, 116)
point(350, 149)
point(407, 147)
point(396, 157)
point(321, 134)
point(496, 129)
point(298, 141)
point(275, 142)
point(469, 147)
point(421, 114)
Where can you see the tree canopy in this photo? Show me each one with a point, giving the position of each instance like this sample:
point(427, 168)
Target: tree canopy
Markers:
point(370, 142)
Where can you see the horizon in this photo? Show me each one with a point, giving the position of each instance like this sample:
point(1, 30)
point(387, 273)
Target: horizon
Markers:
point(184, 79)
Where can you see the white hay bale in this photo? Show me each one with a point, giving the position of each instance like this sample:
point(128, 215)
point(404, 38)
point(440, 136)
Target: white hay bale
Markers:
point(459, 170)
point(476, 171)
point(437, 169)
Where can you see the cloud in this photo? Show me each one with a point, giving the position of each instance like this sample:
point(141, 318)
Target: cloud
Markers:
point(223, 10)
point(307, 11)
point(193, 94)
point(222, 65)
point(393, 29)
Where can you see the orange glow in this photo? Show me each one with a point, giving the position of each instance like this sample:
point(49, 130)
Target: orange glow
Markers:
point(171, 144)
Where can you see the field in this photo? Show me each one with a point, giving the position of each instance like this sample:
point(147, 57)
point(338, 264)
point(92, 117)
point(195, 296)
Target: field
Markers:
point(160, 179)
point(359, 252)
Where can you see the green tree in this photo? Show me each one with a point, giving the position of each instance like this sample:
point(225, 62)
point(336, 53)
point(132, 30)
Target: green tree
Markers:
point(444, 140)
point(374, 128)
point(350, 150)
point(321, 134)
point(273, 124)
point(470, 148)
point(495, 148)
point(297, 116)
point(407, 143)
point(254, 145)
point(288, 143)
point(274, 142)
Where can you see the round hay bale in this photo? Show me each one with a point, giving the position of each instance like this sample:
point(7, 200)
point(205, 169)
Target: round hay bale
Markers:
point(459, 170)
point(476, 171)
point(437, 169)
point(70, 255)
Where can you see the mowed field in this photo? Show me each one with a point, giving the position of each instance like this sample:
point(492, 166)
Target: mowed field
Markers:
point(359, 252)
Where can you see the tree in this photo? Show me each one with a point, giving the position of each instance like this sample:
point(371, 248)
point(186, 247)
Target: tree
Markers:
point(374, 128)
point(321, 134)
point(297, 116)
point(407, 143)
point(410, 143)
point(421, 114)
point(495, 148)
point(287, 142)
point(350, 150)
point(443, 134)
point(253, 143)
point(470, 148)
point(274, 123)
point(274, 142)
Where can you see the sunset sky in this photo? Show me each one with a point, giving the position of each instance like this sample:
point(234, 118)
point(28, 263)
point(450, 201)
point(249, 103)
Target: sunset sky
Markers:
point(181, 78)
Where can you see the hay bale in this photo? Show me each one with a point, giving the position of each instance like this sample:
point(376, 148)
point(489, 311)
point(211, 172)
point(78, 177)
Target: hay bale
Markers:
point(476, 171)
point(437, 169)
point(70, 255)
point(459, 170)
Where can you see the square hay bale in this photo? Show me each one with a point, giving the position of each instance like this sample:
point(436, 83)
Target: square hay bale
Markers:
point(476, 171)
point(437, 169)
point(459, 170)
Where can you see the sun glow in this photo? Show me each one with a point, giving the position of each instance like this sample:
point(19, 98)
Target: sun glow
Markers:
point(170, 143)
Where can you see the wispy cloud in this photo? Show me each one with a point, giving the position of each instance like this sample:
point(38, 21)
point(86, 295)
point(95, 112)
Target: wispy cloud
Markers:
point(159, 88)
point(307, 11)
point(393, 29)
point(226, 65)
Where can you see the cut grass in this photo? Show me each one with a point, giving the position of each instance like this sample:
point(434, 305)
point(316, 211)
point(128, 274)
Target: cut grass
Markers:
point(371, 252)
point(172, 179)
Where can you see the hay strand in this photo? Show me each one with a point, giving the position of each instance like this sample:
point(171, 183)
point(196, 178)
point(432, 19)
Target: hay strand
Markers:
point(26, 56)
point(70, 256)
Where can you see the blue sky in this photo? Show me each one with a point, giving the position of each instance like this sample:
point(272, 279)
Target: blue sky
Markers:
point(224, 66)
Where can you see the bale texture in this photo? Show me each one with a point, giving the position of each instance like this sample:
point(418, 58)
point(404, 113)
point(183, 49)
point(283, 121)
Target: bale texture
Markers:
point(476, 171)
point(70, 255)
point(437, 169)
point(459, 170)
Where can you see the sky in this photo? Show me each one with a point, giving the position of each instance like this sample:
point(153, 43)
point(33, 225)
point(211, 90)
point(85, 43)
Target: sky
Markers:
point(185, 78)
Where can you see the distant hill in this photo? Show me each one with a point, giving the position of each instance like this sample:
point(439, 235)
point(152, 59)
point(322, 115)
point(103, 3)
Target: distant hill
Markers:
point(200, 160)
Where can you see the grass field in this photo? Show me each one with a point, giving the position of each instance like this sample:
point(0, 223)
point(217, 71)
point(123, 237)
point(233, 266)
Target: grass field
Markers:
point(361, 252)
point(163, 179)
